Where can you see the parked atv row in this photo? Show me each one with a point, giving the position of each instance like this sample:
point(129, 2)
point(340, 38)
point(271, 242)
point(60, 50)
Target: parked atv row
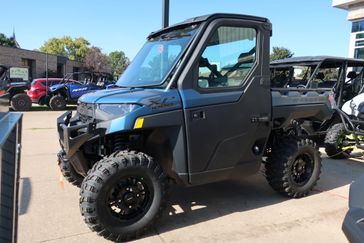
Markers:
point(53, 92)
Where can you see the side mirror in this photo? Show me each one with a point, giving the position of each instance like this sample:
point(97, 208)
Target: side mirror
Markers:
point(204, 62)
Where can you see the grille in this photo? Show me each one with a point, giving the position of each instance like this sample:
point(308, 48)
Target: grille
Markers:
point(85, 112)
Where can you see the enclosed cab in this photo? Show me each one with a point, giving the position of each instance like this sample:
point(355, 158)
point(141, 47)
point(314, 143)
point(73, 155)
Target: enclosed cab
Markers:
point(195, 106)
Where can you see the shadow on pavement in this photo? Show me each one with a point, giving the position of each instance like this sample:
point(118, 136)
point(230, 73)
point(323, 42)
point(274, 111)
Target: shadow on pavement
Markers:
point(193, 205)
point(338, 173)
point(25, 196)
point(46, 108)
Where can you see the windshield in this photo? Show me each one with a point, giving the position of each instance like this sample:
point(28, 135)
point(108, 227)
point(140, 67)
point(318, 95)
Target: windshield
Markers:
point(157, 58)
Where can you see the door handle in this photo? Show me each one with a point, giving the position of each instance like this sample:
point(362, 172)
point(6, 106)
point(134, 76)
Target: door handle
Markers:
point(197, 115)
point(260, 119)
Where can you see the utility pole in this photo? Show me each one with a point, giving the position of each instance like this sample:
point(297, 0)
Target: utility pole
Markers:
point(165, 18)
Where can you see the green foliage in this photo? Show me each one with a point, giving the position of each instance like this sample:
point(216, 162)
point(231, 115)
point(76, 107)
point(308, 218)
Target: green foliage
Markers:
point(74, 49)
point(118, 63)
point(79, 49)
point(330, 74)
point(280, 53)
point(7, 41)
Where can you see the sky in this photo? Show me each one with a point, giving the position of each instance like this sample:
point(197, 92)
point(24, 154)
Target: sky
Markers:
point(306, 27)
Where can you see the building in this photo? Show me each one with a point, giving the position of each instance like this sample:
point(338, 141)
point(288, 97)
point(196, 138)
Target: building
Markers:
point(355, 10)
point(36, 62)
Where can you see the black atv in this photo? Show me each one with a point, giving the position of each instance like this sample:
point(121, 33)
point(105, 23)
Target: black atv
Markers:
point(15, 90)
point(342, 76)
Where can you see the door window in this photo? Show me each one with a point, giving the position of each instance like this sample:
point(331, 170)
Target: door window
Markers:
point(227, 58)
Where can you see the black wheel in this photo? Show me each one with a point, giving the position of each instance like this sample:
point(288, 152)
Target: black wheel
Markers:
point(293, 167)
point(123, 195)
point(69, 173)
point(334, 139)
point(57, 103)
point(21, 102)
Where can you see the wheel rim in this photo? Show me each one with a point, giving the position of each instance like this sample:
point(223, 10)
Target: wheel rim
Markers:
point(130, 198)
point(21, 103)
point(302, 169)
point(58, 103)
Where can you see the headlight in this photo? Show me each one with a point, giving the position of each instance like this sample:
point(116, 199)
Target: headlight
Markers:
point(112, 111)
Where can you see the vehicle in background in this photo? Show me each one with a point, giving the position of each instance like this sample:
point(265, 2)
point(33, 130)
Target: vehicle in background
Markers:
point(15, 82)
point(39, 87)
point(353, 225)
point(68, 90)
point(343, 137)
point(343, 76)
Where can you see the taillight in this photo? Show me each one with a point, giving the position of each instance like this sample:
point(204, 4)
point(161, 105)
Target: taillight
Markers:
point(332, 100)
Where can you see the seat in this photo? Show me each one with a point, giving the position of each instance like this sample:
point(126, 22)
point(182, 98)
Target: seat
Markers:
point(320, 76)
point(351, 75)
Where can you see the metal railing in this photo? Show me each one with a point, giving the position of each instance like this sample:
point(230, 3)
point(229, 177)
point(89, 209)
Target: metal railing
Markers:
point(10, 146)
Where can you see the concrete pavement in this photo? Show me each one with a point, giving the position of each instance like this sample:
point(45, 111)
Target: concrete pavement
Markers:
point(247, 210)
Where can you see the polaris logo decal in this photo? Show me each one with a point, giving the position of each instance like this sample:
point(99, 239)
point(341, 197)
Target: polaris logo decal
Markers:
point(160, 103)
point(80, 89)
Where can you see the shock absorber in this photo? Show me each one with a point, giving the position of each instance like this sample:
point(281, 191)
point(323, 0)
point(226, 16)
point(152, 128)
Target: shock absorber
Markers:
point(119, 142)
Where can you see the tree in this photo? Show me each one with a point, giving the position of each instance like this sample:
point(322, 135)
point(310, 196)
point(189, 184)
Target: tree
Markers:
point(74, 49)
point(95, 60)
point(7, 41)
point(118, 62)
point(280, 53)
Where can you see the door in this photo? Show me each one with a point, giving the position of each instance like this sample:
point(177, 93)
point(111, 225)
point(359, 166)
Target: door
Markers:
point(228, 107)
point(77, 90)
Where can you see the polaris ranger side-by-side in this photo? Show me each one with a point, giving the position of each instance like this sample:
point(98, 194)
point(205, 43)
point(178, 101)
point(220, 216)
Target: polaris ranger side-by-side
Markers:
point(195, 106)
point(69, 90)
point(15, 87)
point(344, 76)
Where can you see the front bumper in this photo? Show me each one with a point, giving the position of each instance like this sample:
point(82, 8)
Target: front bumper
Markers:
point(73, 135)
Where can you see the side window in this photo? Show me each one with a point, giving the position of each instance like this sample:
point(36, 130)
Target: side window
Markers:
point(227, 58)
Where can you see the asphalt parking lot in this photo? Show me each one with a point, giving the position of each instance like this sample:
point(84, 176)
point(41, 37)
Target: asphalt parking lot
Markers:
point(233, 211)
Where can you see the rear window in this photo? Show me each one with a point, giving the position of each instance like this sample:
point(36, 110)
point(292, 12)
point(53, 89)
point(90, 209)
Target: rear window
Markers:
point(50, 82)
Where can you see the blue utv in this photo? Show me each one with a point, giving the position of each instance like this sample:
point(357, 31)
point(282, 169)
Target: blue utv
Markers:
point(70, 90)
point(195, 106)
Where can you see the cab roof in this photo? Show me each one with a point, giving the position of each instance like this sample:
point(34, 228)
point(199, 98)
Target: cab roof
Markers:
point(314, 60)
point(209, 17)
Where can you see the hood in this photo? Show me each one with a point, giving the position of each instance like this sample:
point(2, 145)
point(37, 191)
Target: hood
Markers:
point(158, 97)
point(56, 86)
